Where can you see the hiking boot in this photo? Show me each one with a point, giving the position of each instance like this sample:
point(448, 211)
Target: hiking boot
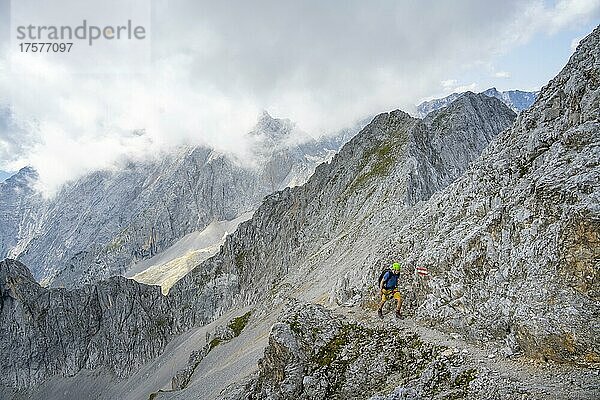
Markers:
point(380, 313)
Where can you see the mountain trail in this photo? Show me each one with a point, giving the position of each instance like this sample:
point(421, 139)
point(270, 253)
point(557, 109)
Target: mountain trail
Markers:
point(538, 379)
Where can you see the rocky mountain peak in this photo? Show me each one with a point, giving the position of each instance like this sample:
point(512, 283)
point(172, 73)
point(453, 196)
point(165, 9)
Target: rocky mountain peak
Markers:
point(395, 117)
point(470, 100)
point(382, 127)
point(25, 176)
point(12, 269)
point(272, 128)
point(491, 92)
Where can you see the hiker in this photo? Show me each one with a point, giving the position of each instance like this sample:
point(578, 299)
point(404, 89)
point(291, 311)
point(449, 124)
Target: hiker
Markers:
point(388, 285)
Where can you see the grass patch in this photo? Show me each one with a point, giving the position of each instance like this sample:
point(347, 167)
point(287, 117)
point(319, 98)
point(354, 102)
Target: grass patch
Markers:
point(238, 324)
point(214, 343)
point(240, 259)
point(464, 379)
point(384, 160)
point(331, 351)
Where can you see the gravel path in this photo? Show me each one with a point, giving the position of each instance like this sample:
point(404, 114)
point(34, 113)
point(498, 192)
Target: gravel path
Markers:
point(517, 377)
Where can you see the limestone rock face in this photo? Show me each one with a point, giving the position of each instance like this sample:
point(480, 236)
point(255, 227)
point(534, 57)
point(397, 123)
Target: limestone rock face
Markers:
point(20, 207)
point(512, 245)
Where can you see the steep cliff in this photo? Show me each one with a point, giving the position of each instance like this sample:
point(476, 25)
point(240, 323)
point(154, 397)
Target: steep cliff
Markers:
point(20, 207)
point(117, 324)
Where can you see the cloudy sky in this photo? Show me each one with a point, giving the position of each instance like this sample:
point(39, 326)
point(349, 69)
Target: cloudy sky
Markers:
point(207, 69)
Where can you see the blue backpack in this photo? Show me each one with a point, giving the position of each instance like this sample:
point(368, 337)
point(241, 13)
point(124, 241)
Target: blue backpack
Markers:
point(382, 275)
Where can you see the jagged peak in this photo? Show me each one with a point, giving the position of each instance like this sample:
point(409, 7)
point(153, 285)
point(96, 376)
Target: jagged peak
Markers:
point(395, 115)
point(13, 269)
point(491, 90)
point(264, 116)
point(472, 95)
point(475, 100)
point(27, 170)
point(272, 127)
point(382, 123)
point(468, 95)
point(26, 175)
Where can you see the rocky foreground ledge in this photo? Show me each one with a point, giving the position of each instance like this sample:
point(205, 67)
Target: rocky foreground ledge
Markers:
point(316, 353)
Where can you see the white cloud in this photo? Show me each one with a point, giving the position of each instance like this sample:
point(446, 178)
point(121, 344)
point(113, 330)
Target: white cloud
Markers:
point(449, 84)
point(215, 66)
point(472, 87)
point(569, 13)
point(549, 18)
point(501, 74)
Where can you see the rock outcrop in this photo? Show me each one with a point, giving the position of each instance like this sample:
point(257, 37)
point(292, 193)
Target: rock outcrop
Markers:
point(314, 354)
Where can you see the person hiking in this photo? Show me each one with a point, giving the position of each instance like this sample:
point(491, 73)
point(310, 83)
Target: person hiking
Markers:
point(388, 285)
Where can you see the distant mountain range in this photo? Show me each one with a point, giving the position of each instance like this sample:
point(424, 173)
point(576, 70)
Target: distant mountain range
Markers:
point(516, 100)
point(105, 222)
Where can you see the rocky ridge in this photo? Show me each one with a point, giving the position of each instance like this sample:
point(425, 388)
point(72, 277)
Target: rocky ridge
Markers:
point(314, 354)
point(516, 100)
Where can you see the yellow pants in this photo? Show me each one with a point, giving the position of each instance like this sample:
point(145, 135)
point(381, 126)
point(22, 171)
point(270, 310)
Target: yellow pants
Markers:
point(391, 293)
